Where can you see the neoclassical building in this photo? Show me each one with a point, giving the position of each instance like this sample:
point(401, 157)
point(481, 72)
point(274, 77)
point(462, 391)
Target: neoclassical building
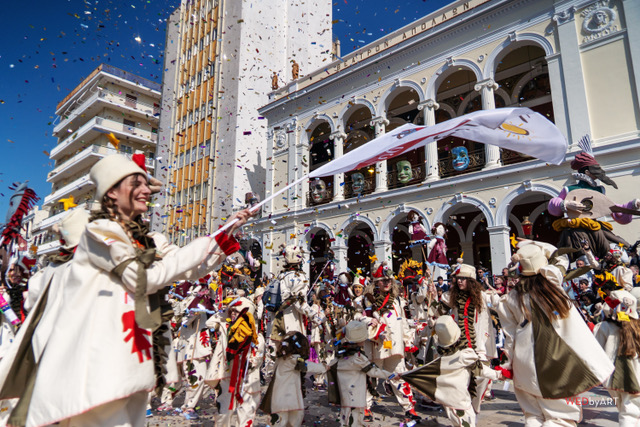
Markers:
point(575, 62)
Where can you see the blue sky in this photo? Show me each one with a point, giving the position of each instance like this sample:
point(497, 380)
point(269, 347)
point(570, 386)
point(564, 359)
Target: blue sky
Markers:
point(48, 47)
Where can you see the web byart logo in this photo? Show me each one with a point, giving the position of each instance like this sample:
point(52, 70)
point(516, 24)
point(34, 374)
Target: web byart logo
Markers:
point(592, 401)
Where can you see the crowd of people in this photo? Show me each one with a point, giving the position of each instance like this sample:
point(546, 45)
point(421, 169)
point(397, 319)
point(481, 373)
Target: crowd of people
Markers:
point(121, 316)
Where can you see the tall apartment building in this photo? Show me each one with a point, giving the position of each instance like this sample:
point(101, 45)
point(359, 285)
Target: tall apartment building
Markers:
point(108, 101)
point(222, 60)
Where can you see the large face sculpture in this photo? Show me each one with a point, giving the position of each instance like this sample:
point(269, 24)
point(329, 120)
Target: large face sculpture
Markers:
point(357, 180)
point(318, 190)
point(460, 158)
point(405, 173)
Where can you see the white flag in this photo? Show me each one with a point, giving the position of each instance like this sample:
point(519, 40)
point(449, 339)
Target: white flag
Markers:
point(517, 129)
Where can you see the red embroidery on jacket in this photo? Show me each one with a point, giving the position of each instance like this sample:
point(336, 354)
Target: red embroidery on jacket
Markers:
point(204, 338)
point(140, 343)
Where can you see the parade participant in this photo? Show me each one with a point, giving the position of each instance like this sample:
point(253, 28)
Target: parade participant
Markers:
point(550, 349)
point(468, 303)
point(390, 335)
point(437, 255)
point(619, 336)
point(194, 346)
point(44, 299)
point(284, 398)
point(416, 229)
point(106, 348)
point(348, 375)
point(447, 380)
point(319, 338)
point(294, 287)
point(235, 366)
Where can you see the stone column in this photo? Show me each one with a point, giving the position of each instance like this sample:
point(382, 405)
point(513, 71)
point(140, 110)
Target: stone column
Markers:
point(381, 167)
point(467, 249)
point(500, 247)
point(486, 89)
point(632, 14)
point(340, 252)
point(338, 138)
point(383, 250)
point(432, 172)
point(292, 165)
point(572, 74)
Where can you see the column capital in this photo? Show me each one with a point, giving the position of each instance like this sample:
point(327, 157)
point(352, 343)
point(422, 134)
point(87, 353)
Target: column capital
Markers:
point(337, 135)
point(486, 84)
point(379, 243)
point(379, 120)
point(291, 125)
point(565, 16)
point(430, 104)
point(499, 229)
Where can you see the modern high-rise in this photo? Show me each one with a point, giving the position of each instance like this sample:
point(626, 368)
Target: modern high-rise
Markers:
point(108, 103)
point(222, 59)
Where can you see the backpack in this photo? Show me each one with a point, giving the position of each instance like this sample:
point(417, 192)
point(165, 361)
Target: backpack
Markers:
point(272, 299)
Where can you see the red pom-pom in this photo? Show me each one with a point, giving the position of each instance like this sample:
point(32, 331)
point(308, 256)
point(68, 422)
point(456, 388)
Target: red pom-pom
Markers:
point(140, 160)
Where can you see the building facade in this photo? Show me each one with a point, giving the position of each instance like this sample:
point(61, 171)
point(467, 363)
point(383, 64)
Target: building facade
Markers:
point(108, 101)
point(222, 60)
point(575, 62)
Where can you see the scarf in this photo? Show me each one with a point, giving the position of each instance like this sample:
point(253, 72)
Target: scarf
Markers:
point(466, 318)
point(381, 303)
point(242, 332)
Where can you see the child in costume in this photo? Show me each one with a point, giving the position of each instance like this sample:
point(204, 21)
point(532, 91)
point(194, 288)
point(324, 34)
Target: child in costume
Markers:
point(348, 376)
point(619, 335)
point(236, 363)
point(550, 349)
point(285, 396)
point(448, 379)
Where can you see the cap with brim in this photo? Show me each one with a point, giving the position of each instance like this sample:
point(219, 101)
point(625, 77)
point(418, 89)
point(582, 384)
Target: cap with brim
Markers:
point(447, 331)
point(465, 270)
point(111, 170)
point(356, 331)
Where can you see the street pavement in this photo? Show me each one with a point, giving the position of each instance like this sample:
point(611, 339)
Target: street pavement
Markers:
point(598, 410)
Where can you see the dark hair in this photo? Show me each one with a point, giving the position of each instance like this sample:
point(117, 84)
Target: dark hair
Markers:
point(294, 343)
point(553, 302)
point(475, 293)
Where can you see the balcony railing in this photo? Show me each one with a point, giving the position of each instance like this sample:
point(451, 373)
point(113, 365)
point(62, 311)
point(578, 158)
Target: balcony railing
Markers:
point(509, 157)
point(75, 113)
point(67, 189)
point(417, 176)
point(105, 125)
point(476, 163)
point(365, 187)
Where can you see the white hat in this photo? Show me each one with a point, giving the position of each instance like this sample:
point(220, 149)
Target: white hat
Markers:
point(293, 254)
point(111, 170)
point(356, 331)
point(447, 331)
point(628, 303)
point(531, 259)
point(241, 303)
point(72, 226)
point(465, 270)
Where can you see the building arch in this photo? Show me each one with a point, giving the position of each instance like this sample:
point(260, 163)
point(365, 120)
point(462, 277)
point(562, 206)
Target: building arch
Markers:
point(515, 96)
point(393, 217)
point(382, 105)
point(350, 223)
point(350, 105)
point(448, 68)
point(312, 125)
point(522, 39)
point(315, 227)
point(502, 213)
point(458, 199)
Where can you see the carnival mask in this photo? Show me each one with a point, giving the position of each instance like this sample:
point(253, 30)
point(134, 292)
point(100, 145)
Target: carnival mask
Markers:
point(405, 173)
point(460, 158)
point(357, 180)
point(318, 190)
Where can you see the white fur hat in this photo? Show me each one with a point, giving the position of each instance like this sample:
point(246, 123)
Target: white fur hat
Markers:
point(447, 331)
point(356, 331)
point(72, 226)
point(465, 270)
point(628, 303)
point(531, 259)
point(293, 254)
point(241, 303)
point(110, 170)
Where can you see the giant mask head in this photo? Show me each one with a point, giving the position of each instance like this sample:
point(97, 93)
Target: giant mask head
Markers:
point(460, 158)
point(405, 174)
point(357, 180)
point(318, 190)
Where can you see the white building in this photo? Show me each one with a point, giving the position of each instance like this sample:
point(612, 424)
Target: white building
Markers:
point(108, 101)
point(577, 62)
point(221, 60)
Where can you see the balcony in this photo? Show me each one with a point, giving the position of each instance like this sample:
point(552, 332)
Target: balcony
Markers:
point(94, 104)
point(476, 163)
point(414, 176)
point(85, 159)
point(99, 125)
point(365, 184)
point(49, 247)
point(67, 189)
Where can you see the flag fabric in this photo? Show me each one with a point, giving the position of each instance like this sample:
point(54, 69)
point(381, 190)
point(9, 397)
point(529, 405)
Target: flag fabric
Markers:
point(517, 129)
